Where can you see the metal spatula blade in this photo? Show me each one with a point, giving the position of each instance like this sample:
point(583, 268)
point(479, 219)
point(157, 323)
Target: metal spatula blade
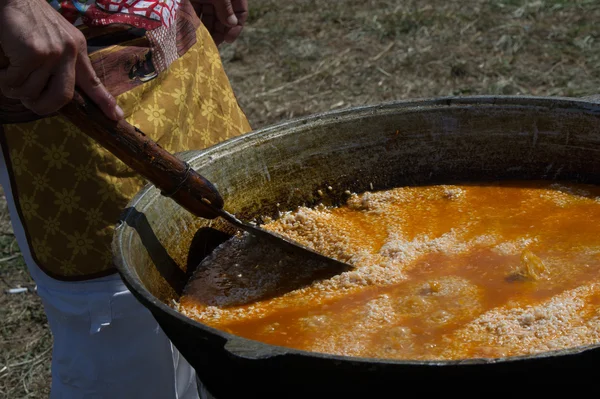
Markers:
point(175, 178)
point(284, 242)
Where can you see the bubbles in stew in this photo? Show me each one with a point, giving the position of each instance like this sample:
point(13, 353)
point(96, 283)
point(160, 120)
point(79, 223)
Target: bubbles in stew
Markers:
point(440, 272)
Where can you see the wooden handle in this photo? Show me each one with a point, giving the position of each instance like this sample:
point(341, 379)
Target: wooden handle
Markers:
point(171, 175)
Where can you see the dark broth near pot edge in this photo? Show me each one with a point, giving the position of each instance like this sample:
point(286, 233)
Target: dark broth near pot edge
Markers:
point(441, 272)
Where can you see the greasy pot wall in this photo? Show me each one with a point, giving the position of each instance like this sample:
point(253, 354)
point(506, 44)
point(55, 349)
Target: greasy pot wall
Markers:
point(279, 168)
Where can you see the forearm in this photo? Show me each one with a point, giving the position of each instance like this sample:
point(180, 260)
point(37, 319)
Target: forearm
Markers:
point(4, 3)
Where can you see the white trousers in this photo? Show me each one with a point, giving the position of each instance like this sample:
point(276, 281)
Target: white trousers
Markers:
point(106, 344)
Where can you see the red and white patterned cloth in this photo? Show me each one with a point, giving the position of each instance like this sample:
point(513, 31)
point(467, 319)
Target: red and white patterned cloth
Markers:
point(146, 14)
point(163, 11)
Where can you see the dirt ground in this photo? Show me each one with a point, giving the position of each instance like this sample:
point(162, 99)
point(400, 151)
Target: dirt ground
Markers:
point(299, 57)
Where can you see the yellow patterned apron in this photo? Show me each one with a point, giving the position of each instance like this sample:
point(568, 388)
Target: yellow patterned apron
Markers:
point(70, 192)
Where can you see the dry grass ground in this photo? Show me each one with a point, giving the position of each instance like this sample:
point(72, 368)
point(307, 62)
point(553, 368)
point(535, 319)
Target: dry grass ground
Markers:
point(299, 57)
point(305, 56)
point(25, 341)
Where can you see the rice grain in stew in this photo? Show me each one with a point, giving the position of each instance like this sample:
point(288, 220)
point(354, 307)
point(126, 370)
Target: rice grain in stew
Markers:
point(441, 272)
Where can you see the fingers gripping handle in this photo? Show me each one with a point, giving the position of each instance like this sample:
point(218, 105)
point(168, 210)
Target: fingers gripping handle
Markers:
point(175, 178)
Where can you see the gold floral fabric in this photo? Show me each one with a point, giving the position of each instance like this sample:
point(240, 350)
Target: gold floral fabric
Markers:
point(70, 191)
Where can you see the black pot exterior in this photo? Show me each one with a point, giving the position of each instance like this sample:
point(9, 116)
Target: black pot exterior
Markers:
point(157, 244)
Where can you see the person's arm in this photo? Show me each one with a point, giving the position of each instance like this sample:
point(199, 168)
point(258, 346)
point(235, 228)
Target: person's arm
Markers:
point(47, 57)
point(224, 19)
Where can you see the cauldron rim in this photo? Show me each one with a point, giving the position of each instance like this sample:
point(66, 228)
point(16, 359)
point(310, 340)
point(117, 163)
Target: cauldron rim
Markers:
point(252, 349)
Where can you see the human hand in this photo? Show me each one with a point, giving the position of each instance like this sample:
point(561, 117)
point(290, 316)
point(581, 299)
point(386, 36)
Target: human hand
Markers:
point(45, 58)
point(224, 19)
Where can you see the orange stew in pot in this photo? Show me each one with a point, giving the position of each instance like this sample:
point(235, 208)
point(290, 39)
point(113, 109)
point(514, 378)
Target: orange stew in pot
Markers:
point(440, 272)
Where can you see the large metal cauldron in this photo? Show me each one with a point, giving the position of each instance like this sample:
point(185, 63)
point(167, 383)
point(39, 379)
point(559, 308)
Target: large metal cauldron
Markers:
point(158, 244)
